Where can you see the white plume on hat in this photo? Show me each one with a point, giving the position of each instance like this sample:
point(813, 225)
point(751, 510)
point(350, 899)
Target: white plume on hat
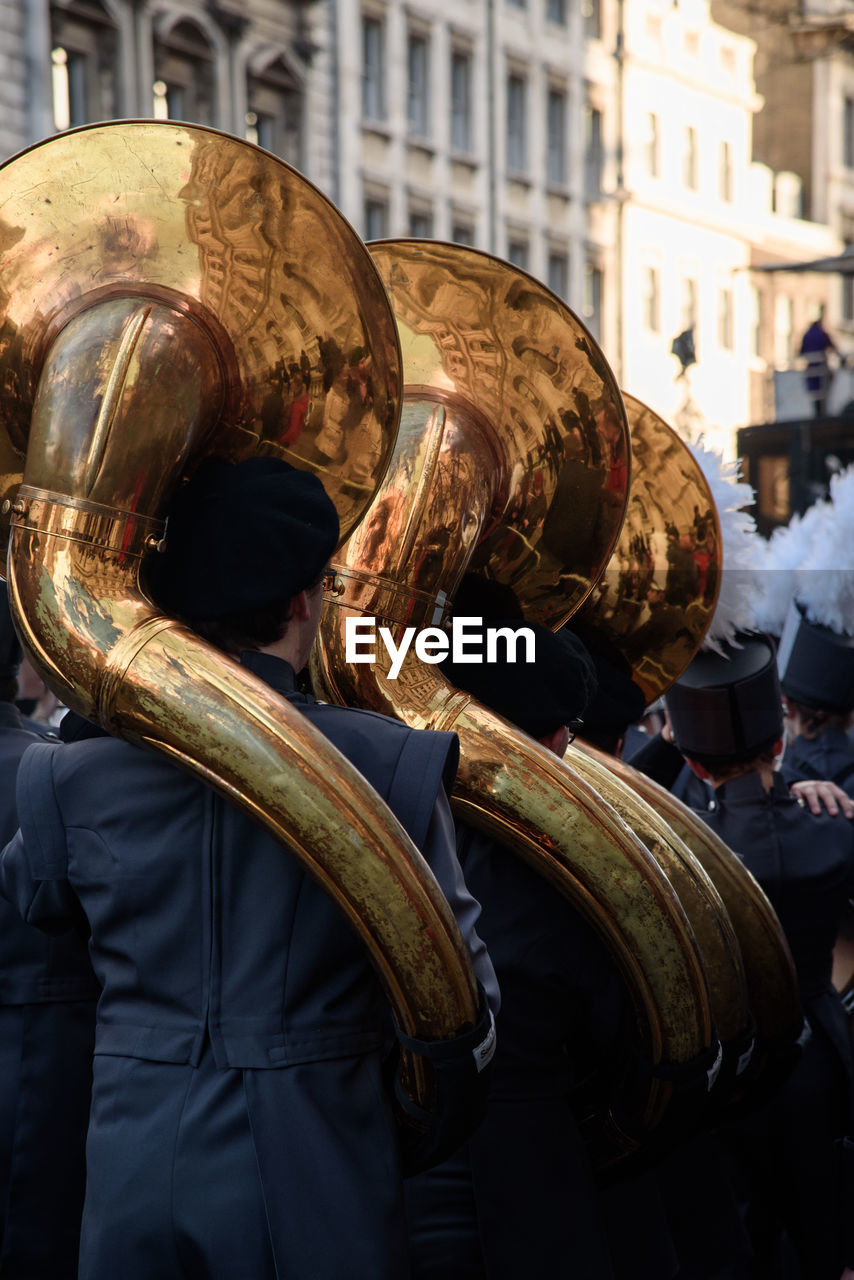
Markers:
point(741, 552)
point(784, 553)
point(824, 584)
point(811, 560)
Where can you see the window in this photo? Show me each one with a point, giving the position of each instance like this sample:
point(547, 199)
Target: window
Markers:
point(84, 65)
point(725, 173)
point(558, 274)
point(184, 71)
point(651, 145)
point(517, 124)
point(688, 316)
point(592, 308)
point(461, 100)
point(274, 116)
point(418, 57)
point(650, 298)
point(725, 326)
point(517, 252)
point(420, 223)
point(556, 166)
point(373, 68)
point(556, 12)
point(376, 217)
point(593, 152)
point(462, 233)
point(592, 13)
point(848, 133)
point(689, 158)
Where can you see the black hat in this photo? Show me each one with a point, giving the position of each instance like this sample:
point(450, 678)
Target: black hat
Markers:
point(10, 646)
point(618, 701)
point(538, 697)
point(728, 706)
point(242, 536)
point(816, 665)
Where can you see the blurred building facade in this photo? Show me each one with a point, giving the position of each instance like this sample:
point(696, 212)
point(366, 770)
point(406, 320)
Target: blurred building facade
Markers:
point(607, 148)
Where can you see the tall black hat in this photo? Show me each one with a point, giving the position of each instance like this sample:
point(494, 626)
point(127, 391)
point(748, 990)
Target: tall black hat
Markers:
point(816, 665)
point(728, 706)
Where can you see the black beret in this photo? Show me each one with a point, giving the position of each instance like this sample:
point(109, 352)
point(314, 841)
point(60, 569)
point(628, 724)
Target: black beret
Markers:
point(242, 536)
point(10, 646)
point(538, 697)
point(618, 701)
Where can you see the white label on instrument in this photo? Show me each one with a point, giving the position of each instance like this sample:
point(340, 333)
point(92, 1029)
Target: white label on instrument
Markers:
point(482, 1054)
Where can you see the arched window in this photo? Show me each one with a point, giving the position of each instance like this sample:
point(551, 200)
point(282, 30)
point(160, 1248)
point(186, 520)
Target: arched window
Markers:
point(84, 63)
point(184, 64)
point(274, 110)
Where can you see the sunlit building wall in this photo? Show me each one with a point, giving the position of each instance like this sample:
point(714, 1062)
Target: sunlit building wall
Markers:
point(698, 215)
point(486, 124)
point(614, 162)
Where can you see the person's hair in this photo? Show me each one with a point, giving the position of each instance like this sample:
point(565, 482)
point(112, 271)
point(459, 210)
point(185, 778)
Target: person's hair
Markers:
point(252, 629)
point(724, 767)
point(814, 721)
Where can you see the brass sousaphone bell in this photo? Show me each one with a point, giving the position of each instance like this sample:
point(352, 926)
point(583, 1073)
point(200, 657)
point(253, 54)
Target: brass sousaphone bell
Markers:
point(513, 460)
point(168, 293)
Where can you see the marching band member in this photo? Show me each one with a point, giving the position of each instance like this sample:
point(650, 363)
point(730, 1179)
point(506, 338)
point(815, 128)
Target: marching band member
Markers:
point(241, 1122)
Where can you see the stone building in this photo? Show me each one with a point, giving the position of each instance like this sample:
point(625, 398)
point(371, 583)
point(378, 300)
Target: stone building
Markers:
point(607, 148)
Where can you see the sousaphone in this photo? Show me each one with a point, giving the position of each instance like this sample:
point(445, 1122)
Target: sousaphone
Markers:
point(513, 460)
point(654, 604)
point(167, 293)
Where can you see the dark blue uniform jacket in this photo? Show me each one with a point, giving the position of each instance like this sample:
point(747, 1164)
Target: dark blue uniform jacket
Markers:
point(830, 756)
point(520, 1198)
point(240, 1123)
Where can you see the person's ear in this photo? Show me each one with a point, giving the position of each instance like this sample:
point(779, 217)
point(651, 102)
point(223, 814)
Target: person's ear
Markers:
point(700, 770)
point(299, 607)
point(557, 741)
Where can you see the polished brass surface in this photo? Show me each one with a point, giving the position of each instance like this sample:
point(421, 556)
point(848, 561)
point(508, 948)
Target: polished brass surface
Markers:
point(155, 278)
point(772, 987)
point(657, 596)
point(511, 787)
point(513, 436)
point(703, 904)
point(231, 237)
point(501, 382)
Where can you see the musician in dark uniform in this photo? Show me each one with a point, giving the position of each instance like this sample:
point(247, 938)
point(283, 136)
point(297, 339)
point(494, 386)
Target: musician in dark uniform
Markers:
point(796, 1152)
point(47, 1024)
point(520, 1198)
point(241, 1119)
